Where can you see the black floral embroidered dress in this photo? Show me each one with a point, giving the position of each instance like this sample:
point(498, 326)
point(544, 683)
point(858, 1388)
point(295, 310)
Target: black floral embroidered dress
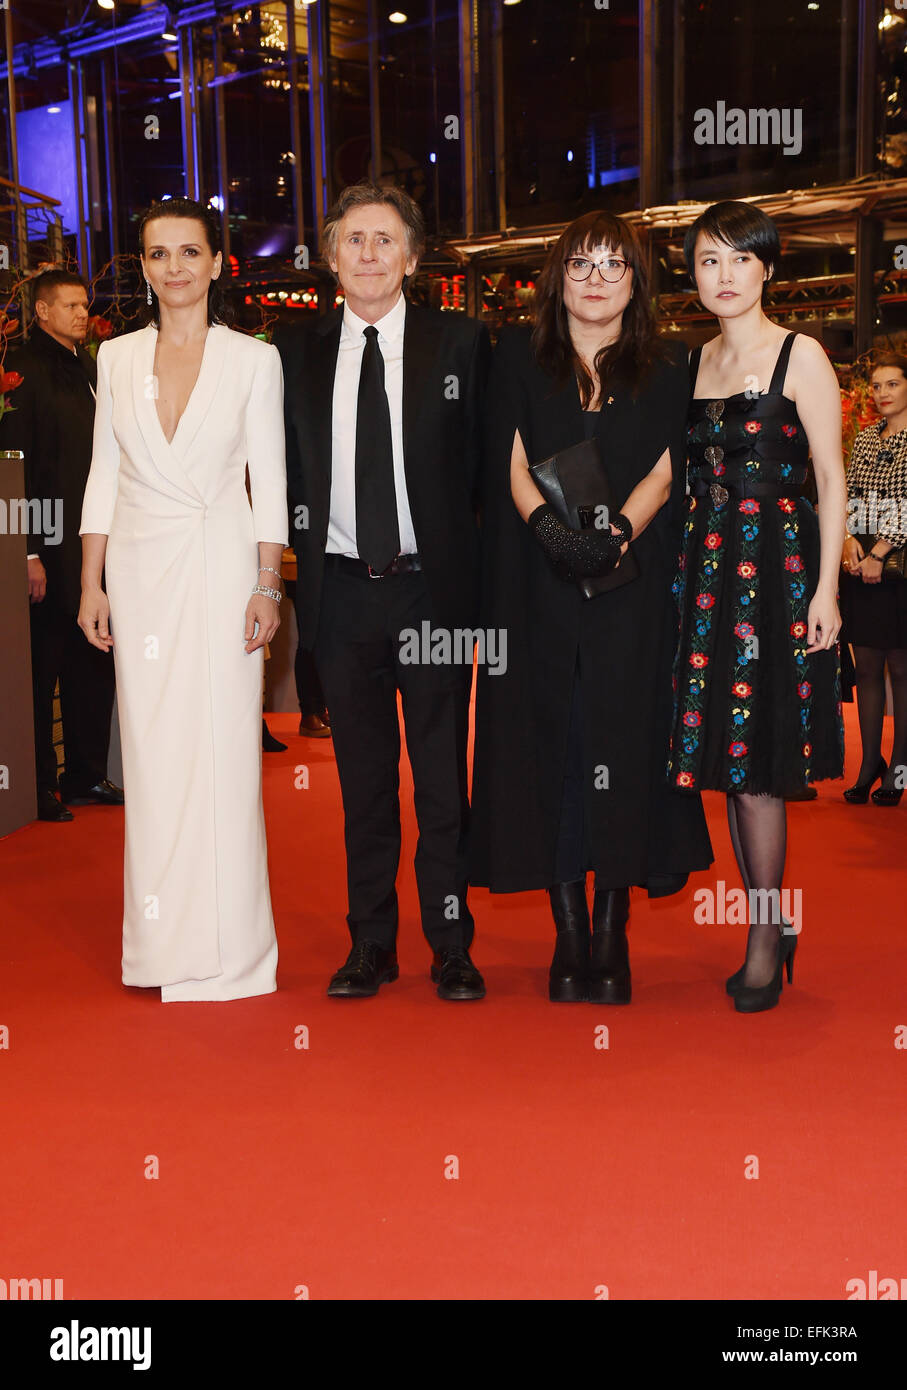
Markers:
point(753, 712)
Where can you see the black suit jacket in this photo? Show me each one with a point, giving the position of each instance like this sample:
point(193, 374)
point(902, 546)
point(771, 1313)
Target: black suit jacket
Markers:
point(52, 421)
point(445, 365)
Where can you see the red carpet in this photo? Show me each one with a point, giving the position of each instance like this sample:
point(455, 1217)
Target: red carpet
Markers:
point(579, 1167)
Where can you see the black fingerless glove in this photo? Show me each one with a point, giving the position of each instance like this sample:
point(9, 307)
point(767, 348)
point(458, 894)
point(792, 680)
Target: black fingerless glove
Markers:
point(574, 554)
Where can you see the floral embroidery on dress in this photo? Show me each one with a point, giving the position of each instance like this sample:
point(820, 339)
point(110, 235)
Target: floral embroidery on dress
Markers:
point(738, 554)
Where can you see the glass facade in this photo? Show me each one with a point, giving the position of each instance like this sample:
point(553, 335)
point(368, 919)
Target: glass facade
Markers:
point(504, 119)
point(754, 99)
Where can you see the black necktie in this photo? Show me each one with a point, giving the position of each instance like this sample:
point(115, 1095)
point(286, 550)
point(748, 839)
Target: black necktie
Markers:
point(377, 533)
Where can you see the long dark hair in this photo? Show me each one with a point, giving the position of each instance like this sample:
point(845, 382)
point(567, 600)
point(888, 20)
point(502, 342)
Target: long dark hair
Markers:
point(637, 348)
point(219, 310)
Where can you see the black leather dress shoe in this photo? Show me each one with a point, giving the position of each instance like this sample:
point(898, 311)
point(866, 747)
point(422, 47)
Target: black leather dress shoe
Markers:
point(49, 808)
point(367, 966)
point(455, 974)
point(102, 793)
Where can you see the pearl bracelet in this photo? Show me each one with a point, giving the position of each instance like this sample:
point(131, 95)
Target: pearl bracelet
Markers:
point(263, 589)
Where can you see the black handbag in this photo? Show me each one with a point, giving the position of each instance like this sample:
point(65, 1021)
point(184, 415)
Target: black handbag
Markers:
point(575, 485)
point(894, 566)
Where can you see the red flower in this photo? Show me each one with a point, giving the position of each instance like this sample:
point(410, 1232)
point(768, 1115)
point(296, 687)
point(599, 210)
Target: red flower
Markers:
point(713, 540)
point(746, 569)
point(790, 431)
point(749, 506)
point(705, 600)
point(692, 719)
point(803, 690)
point(744, 629)
point(737, 750)
point(753, 427)
point(786, 504)
point(794, 563)
point(9, 381)
point(698, 660)
point(99, 328)
point(798, 629)
point(807, 749)
point(742, 689)
point(719, 468)
point(685, 779)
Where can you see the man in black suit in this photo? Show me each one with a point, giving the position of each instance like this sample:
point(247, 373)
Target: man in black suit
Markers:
point(383, 403)
point(52, 421)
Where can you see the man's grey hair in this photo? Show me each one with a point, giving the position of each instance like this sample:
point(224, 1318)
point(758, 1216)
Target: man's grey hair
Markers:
point(369, 194)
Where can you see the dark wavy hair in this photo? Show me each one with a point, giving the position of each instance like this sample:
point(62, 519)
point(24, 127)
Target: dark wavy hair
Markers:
point(741, 226)
point(638, 346)
point(219, 310)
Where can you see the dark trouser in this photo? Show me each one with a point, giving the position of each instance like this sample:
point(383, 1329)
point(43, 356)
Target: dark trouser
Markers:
point(308, 686)
point(60, 650)
point(357, 650)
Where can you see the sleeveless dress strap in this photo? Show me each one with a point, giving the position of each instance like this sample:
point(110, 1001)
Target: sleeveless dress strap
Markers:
point(776, 385)
point(694, 367)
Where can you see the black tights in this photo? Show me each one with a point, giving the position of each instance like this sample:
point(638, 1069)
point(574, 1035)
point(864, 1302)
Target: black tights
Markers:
point(870, 669)
point(758, 826)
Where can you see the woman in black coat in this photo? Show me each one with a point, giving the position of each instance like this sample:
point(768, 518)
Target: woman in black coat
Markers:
point(572, 738)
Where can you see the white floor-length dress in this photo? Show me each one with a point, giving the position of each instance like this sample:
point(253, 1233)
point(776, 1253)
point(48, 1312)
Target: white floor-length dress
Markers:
point(182, 558)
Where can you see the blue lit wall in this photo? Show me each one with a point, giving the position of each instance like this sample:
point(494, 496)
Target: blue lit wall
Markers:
point(47, 157)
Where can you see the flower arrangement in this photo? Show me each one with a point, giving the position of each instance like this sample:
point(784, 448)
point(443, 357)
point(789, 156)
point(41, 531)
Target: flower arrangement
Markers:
point(8, 380)
point(98, 329)
point(857, 407)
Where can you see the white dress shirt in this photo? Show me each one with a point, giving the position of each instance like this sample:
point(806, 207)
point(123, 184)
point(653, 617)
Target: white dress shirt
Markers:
point(342, 523)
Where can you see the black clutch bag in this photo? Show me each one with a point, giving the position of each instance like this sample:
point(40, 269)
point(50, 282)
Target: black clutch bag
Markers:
point(575, 485)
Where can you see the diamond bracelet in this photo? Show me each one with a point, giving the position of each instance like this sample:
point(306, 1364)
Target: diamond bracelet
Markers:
point(267, 593)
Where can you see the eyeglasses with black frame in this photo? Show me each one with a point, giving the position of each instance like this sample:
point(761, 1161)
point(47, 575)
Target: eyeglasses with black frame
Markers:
point(610, 267)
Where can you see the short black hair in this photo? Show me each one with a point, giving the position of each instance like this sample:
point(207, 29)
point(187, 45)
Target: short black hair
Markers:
point(740, 225)
point(45, 285)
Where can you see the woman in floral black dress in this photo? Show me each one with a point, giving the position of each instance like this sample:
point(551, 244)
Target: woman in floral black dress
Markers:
point(757, 677)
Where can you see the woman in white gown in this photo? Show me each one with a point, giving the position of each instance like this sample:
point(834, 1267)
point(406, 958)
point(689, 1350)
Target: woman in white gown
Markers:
point(183, 405)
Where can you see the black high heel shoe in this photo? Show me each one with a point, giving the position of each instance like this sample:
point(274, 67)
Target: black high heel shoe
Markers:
point(858, 794)
point(734, 983)
point(568, 978)
point(609, 965)
point(753, 999)
point(882, 796)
